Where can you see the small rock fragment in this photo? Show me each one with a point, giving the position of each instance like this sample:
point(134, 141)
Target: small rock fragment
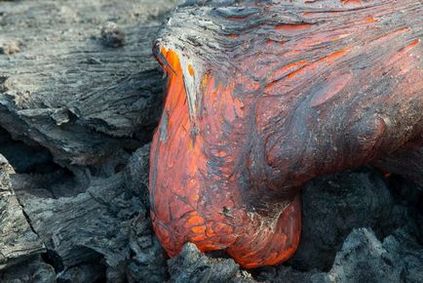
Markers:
point(364, 259)
point(193, 266)
point(10, 47)
point(112, 35)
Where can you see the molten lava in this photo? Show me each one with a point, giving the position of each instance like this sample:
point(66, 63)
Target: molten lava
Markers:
point(262, 99)
point(196, 195)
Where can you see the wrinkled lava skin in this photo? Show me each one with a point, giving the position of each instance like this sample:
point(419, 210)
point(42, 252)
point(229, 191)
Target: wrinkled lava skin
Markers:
point(197, 194)
point(325, 100)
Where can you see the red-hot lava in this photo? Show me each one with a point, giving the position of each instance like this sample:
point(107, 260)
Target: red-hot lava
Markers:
point(329, 91)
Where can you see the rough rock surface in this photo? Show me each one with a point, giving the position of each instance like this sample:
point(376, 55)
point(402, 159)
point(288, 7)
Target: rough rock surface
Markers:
point(79, 92)
point(192, 266)
point(32, 270)
point(76, 114)
point(333, 206)
point(68, 91)
point(363, 258)
point(17, 239)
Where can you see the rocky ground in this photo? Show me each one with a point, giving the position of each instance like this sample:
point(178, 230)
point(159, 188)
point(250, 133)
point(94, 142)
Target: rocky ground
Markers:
point(80, 95)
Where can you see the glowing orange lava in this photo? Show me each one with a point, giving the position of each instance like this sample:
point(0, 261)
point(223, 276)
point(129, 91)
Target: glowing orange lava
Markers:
point(196, 200)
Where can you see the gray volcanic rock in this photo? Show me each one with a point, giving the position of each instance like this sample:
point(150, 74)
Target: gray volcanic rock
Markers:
point(17, 239)
point(363, 258)
point(32, 270)
point(334, 205)
point(193, 266)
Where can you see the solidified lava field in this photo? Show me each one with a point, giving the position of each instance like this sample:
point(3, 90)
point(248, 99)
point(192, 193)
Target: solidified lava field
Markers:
point(80, 97)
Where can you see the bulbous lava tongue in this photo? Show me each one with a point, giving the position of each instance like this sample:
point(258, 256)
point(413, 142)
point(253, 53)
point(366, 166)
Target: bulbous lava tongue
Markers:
point(195, 194)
